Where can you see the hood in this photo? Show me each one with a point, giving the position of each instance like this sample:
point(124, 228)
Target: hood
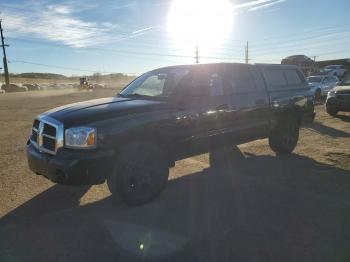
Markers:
point(341, 88)
point(101, 109)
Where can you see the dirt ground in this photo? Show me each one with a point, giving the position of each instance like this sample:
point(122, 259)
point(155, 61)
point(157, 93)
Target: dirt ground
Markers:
point(254, 206)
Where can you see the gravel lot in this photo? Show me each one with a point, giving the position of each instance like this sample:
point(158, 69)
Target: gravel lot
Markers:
point(254, 207)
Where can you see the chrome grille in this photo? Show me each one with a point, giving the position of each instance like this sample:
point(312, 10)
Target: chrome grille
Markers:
point(343, 95)
point(47, 134)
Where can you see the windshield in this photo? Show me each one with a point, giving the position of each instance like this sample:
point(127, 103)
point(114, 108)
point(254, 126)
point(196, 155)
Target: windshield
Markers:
point(314, 79)
point(330, 67)
point(157, 83)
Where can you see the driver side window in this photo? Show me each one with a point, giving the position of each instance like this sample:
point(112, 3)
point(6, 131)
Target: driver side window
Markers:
point(203, 85)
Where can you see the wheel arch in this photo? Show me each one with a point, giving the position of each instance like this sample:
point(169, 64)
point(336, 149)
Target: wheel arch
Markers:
point(155, 138)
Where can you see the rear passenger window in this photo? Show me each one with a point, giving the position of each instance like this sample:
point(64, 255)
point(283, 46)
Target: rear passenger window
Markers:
point(292, 77)
point(241, 81)
point(275, 78)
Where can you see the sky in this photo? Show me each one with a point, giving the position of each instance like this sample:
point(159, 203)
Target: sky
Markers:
point(81, 37)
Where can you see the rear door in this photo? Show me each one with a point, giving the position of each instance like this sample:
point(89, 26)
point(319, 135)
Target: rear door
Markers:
point(249, 102)
point(288, 90)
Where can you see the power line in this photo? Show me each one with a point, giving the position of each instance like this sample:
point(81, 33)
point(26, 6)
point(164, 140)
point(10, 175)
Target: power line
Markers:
point(303, 43)
point(219, 50)
point(317, 55)
point(128, 52)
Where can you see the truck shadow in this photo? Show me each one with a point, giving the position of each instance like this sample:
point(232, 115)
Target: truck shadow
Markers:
point(326, 130)
point(250, 208)
point(345, 118)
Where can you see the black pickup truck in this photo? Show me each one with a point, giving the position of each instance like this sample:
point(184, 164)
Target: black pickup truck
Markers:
point(165, 115)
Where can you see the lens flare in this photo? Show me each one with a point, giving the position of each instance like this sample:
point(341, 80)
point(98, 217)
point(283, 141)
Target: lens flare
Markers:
point(205, 23)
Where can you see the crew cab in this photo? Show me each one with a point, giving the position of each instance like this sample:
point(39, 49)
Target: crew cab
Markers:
point(131, 140)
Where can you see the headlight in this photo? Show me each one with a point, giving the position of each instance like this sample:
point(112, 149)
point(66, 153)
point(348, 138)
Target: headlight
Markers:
point(80, 137)
point(331, 93)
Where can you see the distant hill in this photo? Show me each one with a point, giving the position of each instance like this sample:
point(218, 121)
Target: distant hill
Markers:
point(94, 77)
point(39, 75)
point(111, 80)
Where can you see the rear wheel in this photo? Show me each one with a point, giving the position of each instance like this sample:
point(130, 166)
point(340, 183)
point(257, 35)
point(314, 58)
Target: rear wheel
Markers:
point(284, 138)
point(140, 173)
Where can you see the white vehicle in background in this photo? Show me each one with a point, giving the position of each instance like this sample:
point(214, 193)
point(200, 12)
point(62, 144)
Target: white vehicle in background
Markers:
point(335, 70)
point(322, 84)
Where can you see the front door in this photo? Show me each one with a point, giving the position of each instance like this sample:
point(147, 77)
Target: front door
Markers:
point(201, 117)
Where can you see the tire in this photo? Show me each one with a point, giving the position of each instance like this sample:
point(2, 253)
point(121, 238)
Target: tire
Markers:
point(332, 111)
point(284, 138)
point(140, 173)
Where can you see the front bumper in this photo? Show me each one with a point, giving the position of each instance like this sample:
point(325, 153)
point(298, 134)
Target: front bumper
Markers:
point(339, 104)
point(72, 167)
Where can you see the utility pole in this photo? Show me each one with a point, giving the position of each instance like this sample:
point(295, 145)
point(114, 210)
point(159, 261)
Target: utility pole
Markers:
point(247, 53)
point(315, 66)
point(197, 54)
point(6, 71)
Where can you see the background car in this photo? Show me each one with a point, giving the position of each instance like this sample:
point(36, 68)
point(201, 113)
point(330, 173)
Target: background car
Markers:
point(322, 84)
point(335, 70)
point(14, 88)
point(338, 99)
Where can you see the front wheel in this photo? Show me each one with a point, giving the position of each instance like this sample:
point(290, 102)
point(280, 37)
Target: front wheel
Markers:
point(332, 111)
point(140, 173)
point(284, 137)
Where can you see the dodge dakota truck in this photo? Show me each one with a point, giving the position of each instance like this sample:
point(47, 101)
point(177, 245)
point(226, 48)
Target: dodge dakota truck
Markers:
point(132, 139)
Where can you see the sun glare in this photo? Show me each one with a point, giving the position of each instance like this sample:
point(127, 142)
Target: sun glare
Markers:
point(205, 23)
